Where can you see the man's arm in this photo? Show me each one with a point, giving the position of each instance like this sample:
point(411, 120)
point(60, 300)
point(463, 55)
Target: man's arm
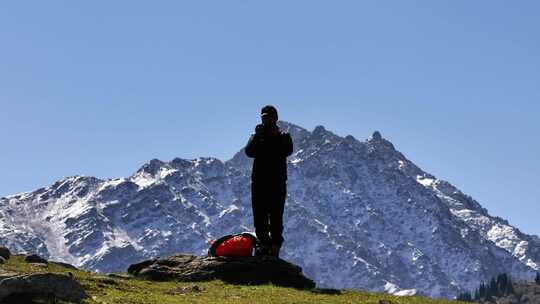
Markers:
point(288, 145)
point(251, 148)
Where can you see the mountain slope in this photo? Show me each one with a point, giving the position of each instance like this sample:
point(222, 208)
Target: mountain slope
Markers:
point(359, 214)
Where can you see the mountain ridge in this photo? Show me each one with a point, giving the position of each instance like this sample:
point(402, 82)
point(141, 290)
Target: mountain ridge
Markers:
point(372, 218)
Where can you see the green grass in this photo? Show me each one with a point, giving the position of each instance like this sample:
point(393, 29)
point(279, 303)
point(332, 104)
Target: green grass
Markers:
point(105, 289)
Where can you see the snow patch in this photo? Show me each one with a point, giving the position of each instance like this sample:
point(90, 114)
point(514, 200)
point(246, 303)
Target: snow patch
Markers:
point(143, 180)
point(395, 290)
point(230, 209)
point(424, 180)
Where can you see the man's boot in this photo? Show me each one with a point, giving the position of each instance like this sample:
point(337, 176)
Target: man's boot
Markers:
point(262, 249)
point(274, 250)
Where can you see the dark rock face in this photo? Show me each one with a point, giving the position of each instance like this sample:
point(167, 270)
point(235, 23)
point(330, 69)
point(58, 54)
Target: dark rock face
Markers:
point(48, 285)
point(235, 270)
point(5, 253)
point(34, 258)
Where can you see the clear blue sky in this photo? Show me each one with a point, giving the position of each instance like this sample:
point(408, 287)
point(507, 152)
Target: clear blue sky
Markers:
point(99, 87)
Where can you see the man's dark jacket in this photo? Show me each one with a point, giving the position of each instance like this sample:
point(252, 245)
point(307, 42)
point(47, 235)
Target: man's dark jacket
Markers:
point(270, 156)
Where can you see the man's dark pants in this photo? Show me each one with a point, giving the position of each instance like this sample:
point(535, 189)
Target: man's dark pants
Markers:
point(268, 202)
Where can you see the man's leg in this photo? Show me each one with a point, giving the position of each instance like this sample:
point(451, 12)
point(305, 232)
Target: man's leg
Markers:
point(276, 214)
point(259, 204)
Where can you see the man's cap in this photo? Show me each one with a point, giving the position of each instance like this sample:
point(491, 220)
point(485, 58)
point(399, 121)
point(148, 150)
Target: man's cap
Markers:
point(269, 110)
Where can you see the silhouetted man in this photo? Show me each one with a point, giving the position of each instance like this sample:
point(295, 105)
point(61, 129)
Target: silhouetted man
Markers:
point(269, 147)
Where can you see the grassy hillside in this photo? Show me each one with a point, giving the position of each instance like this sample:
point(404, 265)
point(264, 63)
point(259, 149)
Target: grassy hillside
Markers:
point(125, 289)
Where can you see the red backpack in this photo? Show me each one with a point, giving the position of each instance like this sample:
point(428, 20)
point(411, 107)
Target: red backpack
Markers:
point(238, 245)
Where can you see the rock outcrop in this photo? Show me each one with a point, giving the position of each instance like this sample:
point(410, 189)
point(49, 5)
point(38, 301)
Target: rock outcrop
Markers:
point(4, 253)
point(47, 285)
point(235, 270)
point(34, 258)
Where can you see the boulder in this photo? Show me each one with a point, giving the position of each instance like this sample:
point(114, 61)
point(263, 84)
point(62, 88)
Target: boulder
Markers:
point(137, 267)
point(65, 265)
point(4, 252)
point(48, 285)
point(34, 258)
point(236, 270)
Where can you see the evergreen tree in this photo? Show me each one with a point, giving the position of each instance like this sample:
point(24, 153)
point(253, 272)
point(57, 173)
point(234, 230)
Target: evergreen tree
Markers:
point(502, 282)
point(537, 279)
point(498, 286)
point(509, 287)
point(492, 291)
point(482, 291)
point(465, 297)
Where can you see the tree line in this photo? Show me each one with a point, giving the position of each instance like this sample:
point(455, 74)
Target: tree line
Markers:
point(497, 287)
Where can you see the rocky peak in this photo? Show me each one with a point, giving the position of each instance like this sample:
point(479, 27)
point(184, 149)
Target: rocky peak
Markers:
point(378, 143)
point(318, 131)
point(151, 167)
point(180, 163)
point(77, 184)
point(298, 134)
point(350, 138)
point(376, 136)
point(321, 136)
point(210, 166)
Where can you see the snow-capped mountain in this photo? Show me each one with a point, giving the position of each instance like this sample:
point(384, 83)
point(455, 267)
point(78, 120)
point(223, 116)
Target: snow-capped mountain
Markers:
point(358, 214)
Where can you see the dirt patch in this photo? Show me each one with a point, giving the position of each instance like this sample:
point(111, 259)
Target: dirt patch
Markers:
point(182, 290)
